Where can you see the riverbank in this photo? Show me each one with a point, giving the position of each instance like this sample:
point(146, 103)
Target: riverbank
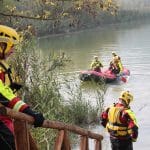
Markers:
point(100, 27)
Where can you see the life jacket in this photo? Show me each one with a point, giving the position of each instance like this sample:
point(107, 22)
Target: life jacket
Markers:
point(96, 64)
point(114, 67)
point(114, 126)
point(8, 77)
point(116, 64)
point(8, 88)
point(5, 74)
point(120, 66)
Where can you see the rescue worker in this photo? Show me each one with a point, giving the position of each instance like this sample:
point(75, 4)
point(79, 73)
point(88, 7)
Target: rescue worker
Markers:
point(114, 66)
point(8, 39)
point(116, 61)
point(120, 122)
point(96, 65)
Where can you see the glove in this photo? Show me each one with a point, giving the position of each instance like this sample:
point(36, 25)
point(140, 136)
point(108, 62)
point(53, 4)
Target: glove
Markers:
point(15, 86)
point(103, 118)
point(38, 117)
point(134, 134)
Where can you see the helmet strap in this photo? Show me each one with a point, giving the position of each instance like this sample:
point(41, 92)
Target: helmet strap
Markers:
point(3, 47)
point(3, 54)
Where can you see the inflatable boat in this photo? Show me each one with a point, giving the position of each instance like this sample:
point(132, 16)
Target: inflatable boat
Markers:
point(105, 75)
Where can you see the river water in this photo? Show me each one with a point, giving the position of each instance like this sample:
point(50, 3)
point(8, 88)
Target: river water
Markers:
point(131, 41)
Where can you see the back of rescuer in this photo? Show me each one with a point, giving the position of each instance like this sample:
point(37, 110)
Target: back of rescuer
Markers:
point(120, 122)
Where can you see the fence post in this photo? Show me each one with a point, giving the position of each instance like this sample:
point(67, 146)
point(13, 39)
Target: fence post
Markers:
point(33, 145)
point(62, 141)
point(98, 145)
point(66, 142)
point(84, 145)
point(59, 140)
point(21, 135)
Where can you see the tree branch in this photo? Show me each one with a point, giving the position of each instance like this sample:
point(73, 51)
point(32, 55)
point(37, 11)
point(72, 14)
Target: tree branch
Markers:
point(27, 17)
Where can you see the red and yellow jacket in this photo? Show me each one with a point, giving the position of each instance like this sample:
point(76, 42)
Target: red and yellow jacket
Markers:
point(120, 122)
point(7, 96)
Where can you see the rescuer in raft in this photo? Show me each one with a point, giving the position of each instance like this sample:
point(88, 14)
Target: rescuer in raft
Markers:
point(96, 65)
point(116, 66)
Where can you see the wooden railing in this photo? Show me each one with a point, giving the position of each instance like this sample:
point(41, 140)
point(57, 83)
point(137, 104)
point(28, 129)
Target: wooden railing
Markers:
point(24, 140)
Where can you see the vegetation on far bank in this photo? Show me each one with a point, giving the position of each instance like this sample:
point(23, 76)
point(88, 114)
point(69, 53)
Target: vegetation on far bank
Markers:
point(43, 17)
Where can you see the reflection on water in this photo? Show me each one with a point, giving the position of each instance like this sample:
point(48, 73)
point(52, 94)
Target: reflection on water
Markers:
point(132, 43)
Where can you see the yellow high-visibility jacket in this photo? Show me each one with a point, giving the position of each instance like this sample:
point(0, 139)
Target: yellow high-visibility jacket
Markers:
point(96, 64)
point(120, 66)
point(7, 96)
point(121, 122)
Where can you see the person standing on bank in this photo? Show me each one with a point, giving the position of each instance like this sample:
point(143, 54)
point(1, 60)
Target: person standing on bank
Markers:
point(8, 39)
point(120, 121)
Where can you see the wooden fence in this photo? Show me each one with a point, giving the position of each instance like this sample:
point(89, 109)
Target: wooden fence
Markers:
point(24, 140)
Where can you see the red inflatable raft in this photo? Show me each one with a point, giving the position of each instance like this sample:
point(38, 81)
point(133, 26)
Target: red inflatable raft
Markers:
point(105, 75)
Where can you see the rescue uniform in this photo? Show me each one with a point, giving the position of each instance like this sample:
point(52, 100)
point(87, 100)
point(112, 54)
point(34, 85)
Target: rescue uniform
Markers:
point(9, 99)
point(8, 38)
point(116, 65)
point(96, 65)
point(121, 124)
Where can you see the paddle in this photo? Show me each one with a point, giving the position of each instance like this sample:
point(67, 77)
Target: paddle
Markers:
point(123, 79)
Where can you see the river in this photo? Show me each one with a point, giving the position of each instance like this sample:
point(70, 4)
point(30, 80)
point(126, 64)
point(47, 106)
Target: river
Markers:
point(131, 41)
